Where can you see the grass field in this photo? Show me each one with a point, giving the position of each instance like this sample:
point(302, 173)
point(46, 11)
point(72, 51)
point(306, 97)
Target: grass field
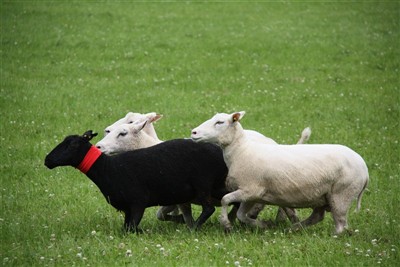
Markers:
point(70, 67)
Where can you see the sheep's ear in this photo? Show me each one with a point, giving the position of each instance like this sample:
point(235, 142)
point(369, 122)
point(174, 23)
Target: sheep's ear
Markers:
point(157, 117)
point(137, 126)
point(237, 116)
point(129, 114)
point(153, 117)
point(88, 135)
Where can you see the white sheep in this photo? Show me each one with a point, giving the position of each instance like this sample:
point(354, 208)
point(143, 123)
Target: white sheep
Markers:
point(131, 117)
point(132, 136)
point(321, 177)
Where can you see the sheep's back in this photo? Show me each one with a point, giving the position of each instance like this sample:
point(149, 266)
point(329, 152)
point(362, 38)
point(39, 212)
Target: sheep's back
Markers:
point(293, 172)
point(179, 168)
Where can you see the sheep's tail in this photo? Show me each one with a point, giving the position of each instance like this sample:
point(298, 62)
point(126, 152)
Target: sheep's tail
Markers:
point(360, 196)
point(305, 135)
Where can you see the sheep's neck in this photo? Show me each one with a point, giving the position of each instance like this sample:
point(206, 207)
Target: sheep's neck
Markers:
point(90, 158)
point(152, 132)
point(237, 144)
point(146, 140)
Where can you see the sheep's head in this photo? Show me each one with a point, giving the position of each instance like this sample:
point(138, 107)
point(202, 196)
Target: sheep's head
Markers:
point(126, 137)
point(88, 135)
point(220, 129)
point(132, 117)
point(71, 151)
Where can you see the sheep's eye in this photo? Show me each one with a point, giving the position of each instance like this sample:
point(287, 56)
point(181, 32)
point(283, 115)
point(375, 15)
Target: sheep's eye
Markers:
point(129, 122)
point(219, 123)
point(122, 134)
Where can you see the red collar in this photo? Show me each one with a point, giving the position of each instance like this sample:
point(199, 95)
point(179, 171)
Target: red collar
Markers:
point(91, 156)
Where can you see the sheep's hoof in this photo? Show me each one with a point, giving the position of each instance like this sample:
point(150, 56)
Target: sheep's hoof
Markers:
point(267, 224)
point(193, 227)
point(349, 232)
point(139, 231)
point(297, 227)
point(133, 230)
point(228, 229)
point(345, 231)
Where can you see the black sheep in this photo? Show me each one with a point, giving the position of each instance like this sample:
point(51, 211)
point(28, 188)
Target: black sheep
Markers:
point(173, 172)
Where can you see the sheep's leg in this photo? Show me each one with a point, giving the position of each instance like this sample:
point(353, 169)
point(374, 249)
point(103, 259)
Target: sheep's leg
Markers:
point(255, 210)
point(340, 222)
point(290, 213)
point(186, 210)
point(133, 216)
point(280, 215)
point(244, 208)
point(316, 216)
point(284, 213)
point(207, 211)
point(236, 196)
point(233, 212)
point(162, 214)
point(339, 208)
point(175, 211)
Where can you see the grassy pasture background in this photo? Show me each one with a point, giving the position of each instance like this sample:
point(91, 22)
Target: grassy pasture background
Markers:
point(70, 67)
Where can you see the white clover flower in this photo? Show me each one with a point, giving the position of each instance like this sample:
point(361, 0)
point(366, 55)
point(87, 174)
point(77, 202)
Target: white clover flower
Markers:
point(93, 232)
point(79, 255)
point(128, 253)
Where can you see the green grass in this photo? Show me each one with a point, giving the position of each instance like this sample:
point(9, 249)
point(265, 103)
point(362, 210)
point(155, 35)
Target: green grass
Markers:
point(70, 67)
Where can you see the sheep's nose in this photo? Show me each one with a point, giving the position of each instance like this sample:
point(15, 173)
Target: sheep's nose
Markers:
point(98, 146)
point(194, 132)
